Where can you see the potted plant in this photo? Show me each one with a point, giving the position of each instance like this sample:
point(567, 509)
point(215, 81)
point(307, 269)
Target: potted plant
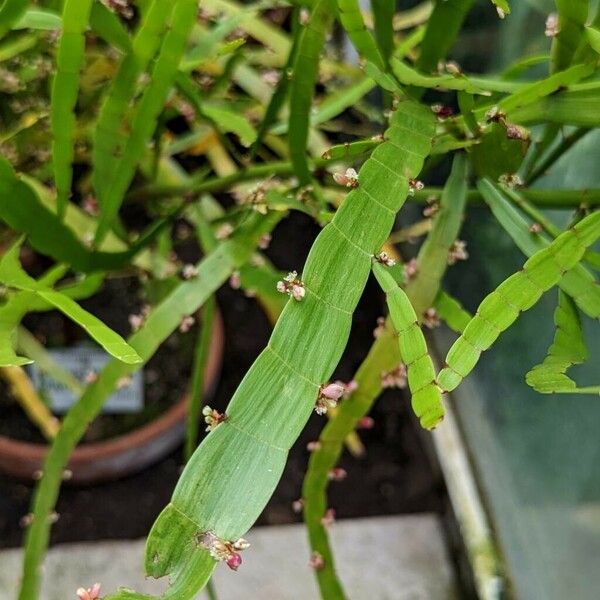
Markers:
point(161, 114)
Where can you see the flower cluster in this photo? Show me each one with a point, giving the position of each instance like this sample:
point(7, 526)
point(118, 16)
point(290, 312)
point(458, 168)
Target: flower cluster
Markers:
point(348, 179)
point(329, 396)
point(331, 393)
point(337, 474)
point(458, 251)
point(396, 378)
point(186, 323)
point(385, 259)
point(414, 185)
point(223, 550)
point(189, 271)
point(92, 593)
point(212, 417)
point(431, 319)
point(292, 286)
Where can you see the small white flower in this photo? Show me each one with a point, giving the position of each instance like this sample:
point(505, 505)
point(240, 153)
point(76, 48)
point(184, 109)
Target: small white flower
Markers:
point(348, 179)
point(292, 286)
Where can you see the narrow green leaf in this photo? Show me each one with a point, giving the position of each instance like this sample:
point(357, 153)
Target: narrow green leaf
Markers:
point(383, 356)
point(518, 293)
point(232, 122)
point(352, 21)
point(280, 94)
point(351, 150)
point(65, 87)
point(43, 20)
point(304, 78)
point(426, 398)
point(532, 92)
point(593, 37)
point(10, 13)
point(108, 26)
point(451, 312)
point(442, 28)
point(578, 282)
point(383, 15)
point(146, 116)
point(577, 107)
point(245, 455)
point(109, 138)
point(13, 275)
point(23, 211)
point(572, 16)
point(408, 76)
point(567, 349)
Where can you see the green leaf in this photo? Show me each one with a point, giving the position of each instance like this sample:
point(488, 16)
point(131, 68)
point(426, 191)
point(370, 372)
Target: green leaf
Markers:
point(497, 154)
point(518, 293)
point(451, 312)
point(572, 16)
point(280, 94)
point(383, 15)
point(13, 275)
point(304, 78)
point(231, 121)
point(65, 87)
point(146, 115)
point(578, 282)
point(43, 20)
point(351, 150)
point(106, 24)
point(567, 349)
point(109, 138)
point(577, 107)
point(352, 21)
point(426, 397)
point(408, 76)
point(10, 13)
point(593, 37)
point(23, 211)
point(245, 455)
point(442, 28)
point(502, 7)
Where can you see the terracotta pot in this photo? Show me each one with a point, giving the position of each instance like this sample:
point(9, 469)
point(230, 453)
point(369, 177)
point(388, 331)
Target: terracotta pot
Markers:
point(122, 455)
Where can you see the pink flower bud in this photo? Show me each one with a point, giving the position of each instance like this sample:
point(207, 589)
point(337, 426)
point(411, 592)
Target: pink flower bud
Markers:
point(92, 593)
point(337, 474)
point(312, 446)
point(333, 391)
point(328, 518)
point(298, 292)
point(316, 561)
point(234, 561)
point(234, 281)
point(365, 423)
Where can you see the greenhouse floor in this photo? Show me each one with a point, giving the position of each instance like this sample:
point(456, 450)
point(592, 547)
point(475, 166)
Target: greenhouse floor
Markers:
point(379, 558)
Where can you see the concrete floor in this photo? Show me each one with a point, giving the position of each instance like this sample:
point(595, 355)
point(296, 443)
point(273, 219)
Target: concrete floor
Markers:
point(382, 558)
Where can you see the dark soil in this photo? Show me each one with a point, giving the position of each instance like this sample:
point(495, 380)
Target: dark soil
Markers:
point(395, 476)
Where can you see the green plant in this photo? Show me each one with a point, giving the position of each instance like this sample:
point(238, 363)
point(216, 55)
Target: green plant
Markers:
point(156, 111)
